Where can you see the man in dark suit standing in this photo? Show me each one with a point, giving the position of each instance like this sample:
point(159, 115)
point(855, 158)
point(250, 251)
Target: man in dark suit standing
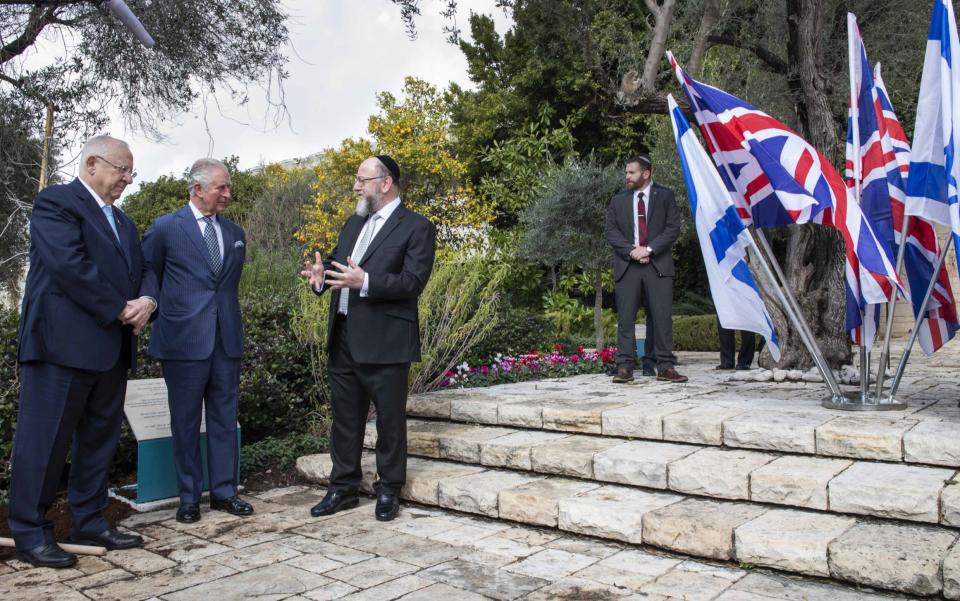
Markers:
point(197, 256)
point(381, 264)
point(642, 224)
point(87, 296)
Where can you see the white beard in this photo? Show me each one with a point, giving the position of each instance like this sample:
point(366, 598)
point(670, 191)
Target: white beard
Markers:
point(364, 206)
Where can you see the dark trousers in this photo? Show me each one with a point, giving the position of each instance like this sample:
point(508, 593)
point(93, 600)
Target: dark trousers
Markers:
point(728, 341)
point(213, 385)
point(60, 405)
point(636, 281)
point(353, 385)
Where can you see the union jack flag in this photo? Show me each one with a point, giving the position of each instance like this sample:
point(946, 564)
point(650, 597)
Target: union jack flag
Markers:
point(869, 153)
point(940, 322)
point(778, 178)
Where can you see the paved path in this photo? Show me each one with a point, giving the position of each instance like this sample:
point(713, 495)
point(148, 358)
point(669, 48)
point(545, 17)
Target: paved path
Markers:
point(425, 554)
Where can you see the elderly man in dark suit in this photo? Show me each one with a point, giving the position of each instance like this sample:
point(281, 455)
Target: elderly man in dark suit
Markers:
point(197, 256)
point(87, 296)
point(381, 264)
point(642, 224)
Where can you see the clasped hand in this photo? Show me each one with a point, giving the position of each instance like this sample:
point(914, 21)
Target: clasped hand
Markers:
point(345, 276)
point(136, 313)
point(640, 254)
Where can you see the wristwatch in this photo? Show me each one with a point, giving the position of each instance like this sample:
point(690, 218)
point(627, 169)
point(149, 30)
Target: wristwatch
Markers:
point(649, 250)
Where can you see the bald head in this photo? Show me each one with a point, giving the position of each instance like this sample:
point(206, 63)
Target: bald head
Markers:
point(106, 165)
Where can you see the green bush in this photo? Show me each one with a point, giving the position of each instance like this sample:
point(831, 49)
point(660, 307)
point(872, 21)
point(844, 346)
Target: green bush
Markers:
point(695, 333)
point(279, 452)
point(518, 331)
point(9, 390)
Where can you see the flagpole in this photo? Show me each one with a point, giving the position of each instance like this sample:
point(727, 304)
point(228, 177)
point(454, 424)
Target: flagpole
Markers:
point(895, 385)
point(857, 187)
point(885, 354)
point(792, 309)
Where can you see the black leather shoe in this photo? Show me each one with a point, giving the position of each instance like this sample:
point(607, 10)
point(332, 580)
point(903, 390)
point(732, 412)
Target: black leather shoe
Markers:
point(234, 505)
point(388, 506)
point(110, 539)
point(334, 501)
point(188, 513)
point(47, 556)
point(648, 372)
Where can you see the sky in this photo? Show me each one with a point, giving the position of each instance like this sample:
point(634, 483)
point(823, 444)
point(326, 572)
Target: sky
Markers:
point(342, 53)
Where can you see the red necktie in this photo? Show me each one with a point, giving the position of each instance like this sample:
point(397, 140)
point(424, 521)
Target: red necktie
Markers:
point(641, 222)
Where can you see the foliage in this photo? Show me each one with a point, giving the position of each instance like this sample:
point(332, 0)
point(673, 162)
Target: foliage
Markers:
point(570, 318)
point(458, 309)
point(20, 154)
point(695, 333)
point(519, 331)
point(169, 193)
point(276, 215)
point(530, 366)
point(308, 324)
point(415, 131)
point(280, 452)
point(515, 168)
point(9, 389)
point(202, 48)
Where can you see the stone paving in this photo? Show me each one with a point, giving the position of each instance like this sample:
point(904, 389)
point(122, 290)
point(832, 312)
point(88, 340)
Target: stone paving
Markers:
point(423, 555)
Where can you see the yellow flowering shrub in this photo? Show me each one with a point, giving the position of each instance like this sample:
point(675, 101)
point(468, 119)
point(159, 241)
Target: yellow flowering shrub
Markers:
point(415, 131)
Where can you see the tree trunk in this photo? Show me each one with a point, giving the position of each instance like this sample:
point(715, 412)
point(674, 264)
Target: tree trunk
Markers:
point(598, 309)
point(711, 14)
point(663, 21)
point(814, 255)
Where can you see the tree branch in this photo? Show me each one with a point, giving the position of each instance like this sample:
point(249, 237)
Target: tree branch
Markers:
point(39, 18)
point(711, 14)
point(774, 62)
point(663, 18)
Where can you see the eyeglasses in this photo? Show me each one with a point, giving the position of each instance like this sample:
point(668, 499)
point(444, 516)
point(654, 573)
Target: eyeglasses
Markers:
point(361, 180)
point(123, 170)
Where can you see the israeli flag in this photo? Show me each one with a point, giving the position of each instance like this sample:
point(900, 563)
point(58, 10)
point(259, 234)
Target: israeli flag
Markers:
point(934, 165)
point(723, 238)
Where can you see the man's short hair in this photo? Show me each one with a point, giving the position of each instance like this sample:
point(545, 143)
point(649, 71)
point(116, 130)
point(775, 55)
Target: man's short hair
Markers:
point(643, 159)
point(202, 172)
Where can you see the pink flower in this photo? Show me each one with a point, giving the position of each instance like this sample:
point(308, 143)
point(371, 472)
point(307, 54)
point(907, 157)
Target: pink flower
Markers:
point(485, 370)
point(574, 359)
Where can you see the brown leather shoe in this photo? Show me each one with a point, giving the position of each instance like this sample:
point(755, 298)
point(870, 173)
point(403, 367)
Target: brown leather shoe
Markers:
point(671, 375)
point(624, 375)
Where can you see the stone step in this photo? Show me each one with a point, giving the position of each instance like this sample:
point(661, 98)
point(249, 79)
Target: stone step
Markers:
point(882, 490)
point(914, 559)
point(785, 417)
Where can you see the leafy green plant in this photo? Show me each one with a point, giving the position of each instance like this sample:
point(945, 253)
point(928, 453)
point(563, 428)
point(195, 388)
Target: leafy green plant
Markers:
point(280, 452)
point(458, 309)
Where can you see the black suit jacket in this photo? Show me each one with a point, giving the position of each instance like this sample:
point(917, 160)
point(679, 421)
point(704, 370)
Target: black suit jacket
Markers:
point(80, 279)
point(384, 325)
point(663, 228)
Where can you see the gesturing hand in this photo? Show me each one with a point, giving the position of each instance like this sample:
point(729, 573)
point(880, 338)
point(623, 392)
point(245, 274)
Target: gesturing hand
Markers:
point(314, 272)
point(346, 276)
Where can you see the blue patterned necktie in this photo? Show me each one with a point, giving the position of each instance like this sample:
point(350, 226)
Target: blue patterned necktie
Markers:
point(368, 230)
point(108, 212)
point(213, 247)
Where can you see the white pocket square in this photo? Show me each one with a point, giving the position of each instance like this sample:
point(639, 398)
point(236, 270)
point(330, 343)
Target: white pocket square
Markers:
point(238, 244)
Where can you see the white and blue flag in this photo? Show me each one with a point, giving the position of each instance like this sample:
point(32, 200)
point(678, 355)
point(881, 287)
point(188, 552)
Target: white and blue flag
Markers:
point(934, 165)
point(723, 238)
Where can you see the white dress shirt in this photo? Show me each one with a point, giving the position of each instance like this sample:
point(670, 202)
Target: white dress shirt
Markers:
point(384, 213)
point(646, 211)
point(216, 225)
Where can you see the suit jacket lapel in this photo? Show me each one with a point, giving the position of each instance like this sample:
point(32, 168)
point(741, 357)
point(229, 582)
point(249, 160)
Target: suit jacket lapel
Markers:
point(628, 214)
point(350, 237)
point(95, 214)
point(385, 231)
point(189, 225)
point(228, 242)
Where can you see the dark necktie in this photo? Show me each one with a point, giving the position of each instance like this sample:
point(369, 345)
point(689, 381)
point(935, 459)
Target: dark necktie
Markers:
point(213, 246)
point(641, 222)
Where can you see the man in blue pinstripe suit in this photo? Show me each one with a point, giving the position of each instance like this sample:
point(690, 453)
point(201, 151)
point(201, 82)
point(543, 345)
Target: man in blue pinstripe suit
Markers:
point(197, 256)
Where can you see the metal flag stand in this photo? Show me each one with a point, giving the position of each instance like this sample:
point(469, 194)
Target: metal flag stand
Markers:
point(860, 400)
point(915, 331)
point(792, 309)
